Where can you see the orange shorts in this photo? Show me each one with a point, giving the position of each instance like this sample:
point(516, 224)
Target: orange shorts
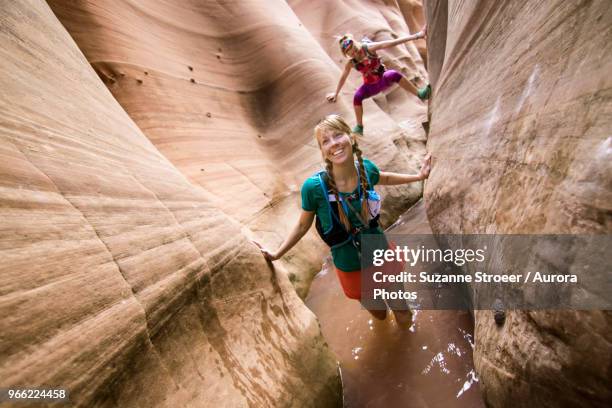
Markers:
point(351, 281)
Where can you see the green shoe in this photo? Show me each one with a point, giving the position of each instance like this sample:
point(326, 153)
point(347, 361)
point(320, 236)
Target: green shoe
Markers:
point(358, 129)
point(424, 93)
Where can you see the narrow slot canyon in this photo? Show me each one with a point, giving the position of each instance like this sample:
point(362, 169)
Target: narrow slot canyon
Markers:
point(156, 158)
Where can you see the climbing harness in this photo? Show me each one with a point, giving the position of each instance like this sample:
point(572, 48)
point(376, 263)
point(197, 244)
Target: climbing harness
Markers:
point(337, 235)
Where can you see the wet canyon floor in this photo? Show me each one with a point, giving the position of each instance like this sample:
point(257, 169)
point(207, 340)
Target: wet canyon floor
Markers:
point(426, 364)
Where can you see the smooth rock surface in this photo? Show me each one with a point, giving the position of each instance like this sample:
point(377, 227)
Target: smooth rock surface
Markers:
point(520, 135)
point(121, 280)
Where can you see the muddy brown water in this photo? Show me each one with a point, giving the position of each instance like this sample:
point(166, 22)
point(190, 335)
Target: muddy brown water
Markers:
point(425, 364)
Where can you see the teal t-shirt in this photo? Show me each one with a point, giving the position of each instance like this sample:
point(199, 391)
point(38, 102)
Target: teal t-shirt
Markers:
point(346, 257)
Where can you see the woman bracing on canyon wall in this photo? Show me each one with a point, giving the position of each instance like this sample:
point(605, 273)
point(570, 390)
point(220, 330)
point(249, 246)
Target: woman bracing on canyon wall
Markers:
point(376, 78)
point(351, 183)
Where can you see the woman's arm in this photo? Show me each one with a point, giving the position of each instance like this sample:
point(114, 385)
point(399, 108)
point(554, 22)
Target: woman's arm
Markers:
point(380, 45)
point(298, 231)
point(387, 178)
point(347, 70)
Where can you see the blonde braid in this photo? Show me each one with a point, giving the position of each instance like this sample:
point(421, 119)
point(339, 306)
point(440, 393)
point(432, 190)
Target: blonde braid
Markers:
point(365, 213)
point(332, 184)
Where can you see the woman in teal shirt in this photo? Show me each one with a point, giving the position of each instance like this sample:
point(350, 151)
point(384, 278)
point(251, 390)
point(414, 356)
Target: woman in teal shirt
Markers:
point(343, 200)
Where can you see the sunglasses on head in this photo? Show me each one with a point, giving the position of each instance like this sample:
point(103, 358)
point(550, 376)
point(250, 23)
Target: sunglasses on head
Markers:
point(347, 43)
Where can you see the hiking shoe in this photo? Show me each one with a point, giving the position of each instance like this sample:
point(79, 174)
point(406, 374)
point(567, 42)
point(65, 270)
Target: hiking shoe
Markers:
point(358, 129)
point(424, 93)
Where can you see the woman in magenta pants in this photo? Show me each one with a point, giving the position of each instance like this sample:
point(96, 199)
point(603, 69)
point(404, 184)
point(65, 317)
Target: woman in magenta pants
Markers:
point(376, 78)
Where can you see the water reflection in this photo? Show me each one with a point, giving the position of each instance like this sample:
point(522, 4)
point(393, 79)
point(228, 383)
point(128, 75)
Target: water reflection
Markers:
point(427, 363)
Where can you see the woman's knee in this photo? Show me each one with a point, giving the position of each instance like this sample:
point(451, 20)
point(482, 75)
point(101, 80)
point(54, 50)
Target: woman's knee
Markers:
point(358, 99)
point(392, 75)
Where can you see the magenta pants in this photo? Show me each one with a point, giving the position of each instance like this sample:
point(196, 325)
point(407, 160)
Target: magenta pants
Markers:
point(365, 91)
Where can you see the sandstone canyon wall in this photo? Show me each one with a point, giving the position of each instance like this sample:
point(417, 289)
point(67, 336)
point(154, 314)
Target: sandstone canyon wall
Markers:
point(520, 134)
point(143, 144)
point(121, 280)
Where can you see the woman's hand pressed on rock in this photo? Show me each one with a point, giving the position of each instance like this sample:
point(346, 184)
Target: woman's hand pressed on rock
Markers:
point(425, 167)
point(389, 178)
point(423, 31)
point(299, 230)
point(267, 254)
